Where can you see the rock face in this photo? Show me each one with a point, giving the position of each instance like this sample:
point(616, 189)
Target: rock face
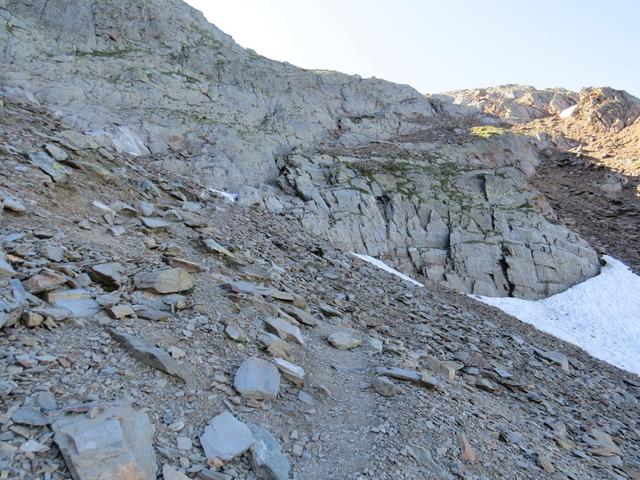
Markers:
point(373, 166)
point(115, 445)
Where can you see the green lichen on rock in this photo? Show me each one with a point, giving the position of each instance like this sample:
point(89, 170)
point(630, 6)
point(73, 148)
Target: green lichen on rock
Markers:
point(487, 131)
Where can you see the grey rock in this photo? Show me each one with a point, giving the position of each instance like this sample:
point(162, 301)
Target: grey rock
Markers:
point(267, 459)
point(154, 315)
point(155, 223)
point(257, 379)
point(48, 165)
point(30, 416)
point(46, 401)
point(153, 356)
point(117, 444)
point(556, 358)
point(284, 329)
point(109, 274)
point(344, 340)
point(6, 269)
point(214, 247)
point(170, 473)
point(170, 280)
point(302, 316)
point(292, 372)
point(56, 152)
point(384, 386)
point(409, 376)
point(52, 252)
point(78, 301)
point(13, 205)
point(146, 209)
point(225, 437)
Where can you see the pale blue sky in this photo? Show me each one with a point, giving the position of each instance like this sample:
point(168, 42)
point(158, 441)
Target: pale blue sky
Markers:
point(449, 44)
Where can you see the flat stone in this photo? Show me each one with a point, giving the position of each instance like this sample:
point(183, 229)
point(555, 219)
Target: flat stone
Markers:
point(234, 332)
point(44, 281)
point(109, 274)
point(445, 368)
point(170, 280)
point(344, 340)
point(48, 165)
point(189, 266)
point(13, 205)
point(6, 269)
point(284, 329)
point(52, 252)
point(274, 344)
point(214, 247)
point(225, 437)
point(257, 379)
point(117, 445)
point(384, 386)
point(30, 416)
point(292, 372)
point(302, 316)
point(149, 355)
point(267, 459)
point(120, 311)
point(46, 401)
point(33, 446)
point(407, 375)
point(77, 301)
point(155, 223)
point(56, 152)
point(170, 473)
point(146, 209)
point(154, 315)
point(556, 358)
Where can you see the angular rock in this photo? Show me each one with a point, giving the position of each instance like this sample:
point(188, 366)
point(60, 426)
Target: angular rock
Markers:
point(274, 344)
point(120, 311)
point(267, 459)
point(384, 386)
point(44, 281)
point(257, 379)
point(284, 329)
point(155, 223)
point(56, 152)
point(409, 376)
point(117, 445)
point(344, 340)
point(225, 437)
point(292, 372)
point(13, 205)
point(29, 416)
point(6, 269)
point(214, 247)
point(108, 274)
point(170, 280)
point(52, 252)
point(48, 165)
point(154, 315)
point(170, 473)
point(77, 301)
point(302, 316)
point(149, 355)
point(556, 358)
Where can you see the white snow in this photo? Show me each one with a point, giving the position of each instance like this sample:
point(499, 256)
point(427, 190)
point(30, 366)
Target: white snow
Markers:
point(567, 112)
point(385, 267)
point(232, 197)
point(600, 315)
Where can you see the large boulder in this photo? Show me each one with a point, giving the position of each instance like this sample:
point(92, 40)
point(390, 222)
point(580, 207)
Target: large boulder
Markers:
point(117, 444)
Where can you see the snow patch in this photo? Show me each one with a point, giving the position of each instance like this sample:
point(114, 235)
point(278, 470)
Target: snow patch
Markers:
point(385, 267)
point(567, 112)
point(600, 315)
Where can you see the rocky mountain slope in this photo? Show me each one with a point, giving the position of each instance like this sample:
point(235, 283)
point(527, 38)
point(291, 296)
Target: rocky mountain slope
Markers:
point(153, 326)
point(589, 143)
point(373, 166)
point(139, 307)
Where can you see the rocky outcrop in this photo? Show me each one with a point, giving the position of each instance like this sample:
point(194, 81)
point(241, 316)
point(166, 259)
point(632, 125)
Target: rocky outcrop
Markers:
point(428, 184)
point(512, 103)
point(477, 230)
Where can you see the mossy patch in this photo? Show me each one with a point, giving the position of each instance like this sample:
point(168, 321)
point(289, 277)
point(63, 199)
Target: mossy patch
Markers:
point(487, 131)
